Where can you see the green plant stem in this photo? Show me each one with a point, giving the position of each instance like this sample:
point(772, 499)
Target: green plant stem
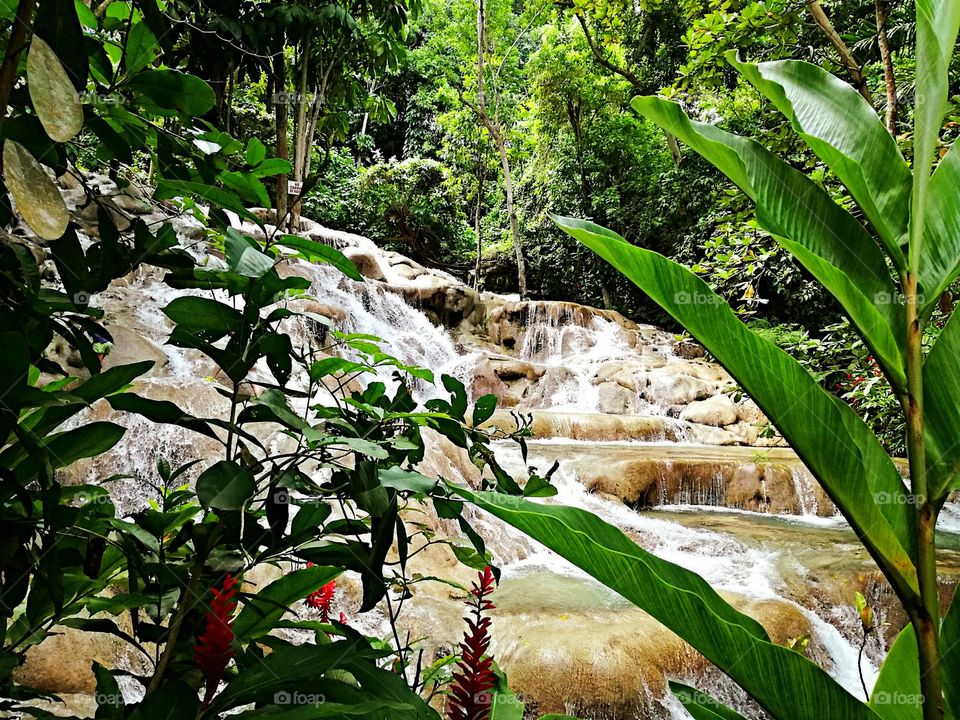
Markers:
point(183, 607)
point(925, 614)
point(11, 58)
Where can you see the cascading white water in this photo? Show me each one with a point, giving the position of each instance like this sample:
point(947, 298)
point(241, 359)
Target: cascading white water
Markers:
point(576, 351)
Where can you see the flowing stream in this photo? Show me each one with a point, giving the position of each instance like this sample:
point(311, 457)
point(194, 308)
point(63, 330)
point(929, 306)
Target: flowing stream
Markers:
point(793, 565)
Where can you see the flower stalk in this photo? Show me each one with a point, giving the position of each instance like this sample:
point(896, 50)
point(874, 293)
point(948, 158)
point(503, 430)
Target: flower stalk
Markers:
point(473, 681)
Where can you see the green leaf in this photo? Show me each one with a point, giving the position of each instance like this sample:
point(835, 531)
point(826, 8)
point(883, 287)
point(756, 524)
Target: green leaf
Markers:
point(88, 440)
point(941, 410)
point(505, 704)
point(174, 700)
point(950, 657)
point(288, 669)
point(824, 237)
point(318, 252)
point(244, 256)
point(833, 442)
point(168, 189)
point(700, 705)
point(160, 411)
point(273, 166)
point(204, 317)
point(108, 697)
point(174, 90)
point(38, 199)
point(256, 152)
point(54, 98)
point(781, 680)
point(483, 409)
point(846, 133)
point(225, 486)
point(896, 694)
point(937, 24)
point(247, 186)
point(280, 410)
point(141, 48)
point(940, 254)
point(333, 365)
point(261, 612)
point(411, 480)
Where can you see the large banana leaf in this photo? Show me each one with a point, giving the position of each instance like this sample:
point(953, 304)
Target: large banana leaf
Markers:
point(937, 25)
point(896, 694)
point(824, 237)
point(846, 133)
point(950, 657)
point(941, 410)
point(830, 438)
point(778, 678)
point(940, 254)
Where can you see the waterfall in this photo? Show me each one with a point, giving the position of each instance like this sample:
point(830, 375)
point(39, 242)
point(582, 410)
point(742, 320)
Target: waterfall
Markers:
point(573, 362)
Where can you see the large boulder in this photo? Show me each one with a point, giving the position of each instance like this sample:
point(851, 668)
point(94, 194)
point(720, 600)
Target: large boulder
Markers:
point(718, 411)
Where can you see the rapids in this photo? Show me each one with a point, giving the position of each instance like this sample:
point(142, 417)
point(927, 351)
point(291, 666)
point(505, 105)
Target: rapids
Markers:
point(648, 438)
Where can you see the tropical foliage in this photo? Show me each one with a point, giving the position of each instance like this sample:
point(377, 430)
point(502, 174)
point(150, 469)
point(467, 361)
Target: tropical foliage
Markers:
point(910, 210)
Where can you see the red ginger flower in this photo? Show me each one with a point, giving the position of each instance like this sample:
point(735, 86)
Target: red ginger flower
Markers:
point(213, 650)
point(474, 679)
point(322, 598)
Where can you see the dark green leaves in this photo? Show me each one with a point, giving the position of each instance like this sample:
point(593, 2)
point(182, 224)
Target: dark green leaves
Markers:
point(318, 252)
point(261, 612)
point(174, 90)
point(206, 318)
point(244, 256)
point(225, 486)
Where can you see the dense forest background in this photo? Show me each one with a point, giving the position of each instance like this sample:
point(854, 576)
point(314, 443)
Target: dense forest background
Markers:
point(450, 129)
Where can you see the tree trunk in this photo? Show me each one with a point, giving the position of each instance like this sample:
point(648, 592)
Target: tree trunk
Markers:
point(500, 140)
point(301, 152)
point(478, 222)
point(512, 213)
point(281, 111)
point(889, 81)
point(674, 148)
point(846, 57)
